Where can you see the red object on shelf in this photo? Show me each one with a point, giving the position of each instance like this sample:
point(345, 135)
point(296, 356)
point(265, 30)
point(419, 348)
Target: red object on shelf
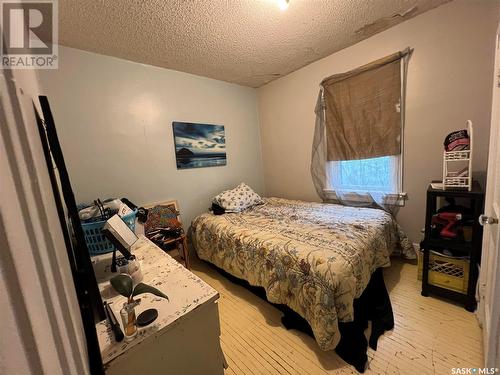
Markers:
point(449, 221)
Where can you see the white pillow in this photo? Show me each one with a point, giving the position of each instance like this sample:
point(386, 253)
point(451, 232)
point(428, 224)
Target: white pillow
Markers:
point(238, 199)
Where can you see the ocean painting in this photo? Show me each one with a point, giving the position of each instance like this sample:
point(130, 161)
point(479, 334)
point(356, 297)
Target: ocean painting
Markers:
point(199, 145)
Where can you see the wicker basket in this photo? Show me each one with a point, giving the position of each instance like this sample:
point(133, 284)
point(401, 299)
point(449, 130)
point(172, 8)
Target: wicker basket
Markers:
point(445, 271)
point(97, 243)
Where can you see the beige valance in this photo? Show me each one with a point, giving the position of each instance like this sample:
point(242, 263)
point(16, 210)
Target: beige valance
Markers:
point(362, 110)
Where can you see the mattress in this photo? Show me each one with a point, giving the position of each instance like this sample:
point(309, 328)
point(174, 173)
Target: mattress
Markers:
point(315, 258)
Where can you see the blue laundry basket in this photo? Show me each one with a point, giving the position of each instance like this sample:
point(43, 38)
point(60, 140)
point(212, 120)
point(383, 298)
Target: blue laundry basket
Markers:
point(97, 243)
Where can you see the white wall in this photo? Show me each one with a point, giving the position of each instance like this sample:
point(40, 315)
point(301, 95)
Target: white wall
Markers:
point(114, 120)
point(449, 81)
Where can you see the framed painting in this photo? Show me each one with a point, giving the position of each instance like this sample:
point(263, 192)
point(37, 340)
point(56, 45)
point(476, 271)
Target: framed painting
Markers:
point(199, 145)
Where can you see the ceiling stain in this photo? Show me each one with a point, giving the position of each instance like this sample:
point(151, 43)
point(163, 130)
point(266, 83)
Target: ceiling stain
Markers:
point(384, 23)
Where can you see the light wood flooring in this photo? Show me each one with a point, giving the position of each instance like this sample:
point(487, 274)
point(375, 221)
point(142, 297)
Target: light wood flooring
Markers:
point(430, 336)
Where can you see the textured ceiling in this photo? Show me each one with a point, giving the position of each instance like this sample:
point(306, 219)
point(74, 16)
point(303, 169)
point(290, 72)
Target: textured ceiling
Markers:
point(249, 42)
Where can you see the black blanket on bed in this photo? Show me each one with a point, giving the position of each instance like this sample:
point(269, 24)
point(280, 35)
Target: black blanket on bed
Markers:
point(374, 305)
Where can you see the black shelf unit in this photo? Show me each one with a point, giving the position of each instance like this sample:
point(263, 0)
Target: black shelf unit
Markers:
point(472, 249)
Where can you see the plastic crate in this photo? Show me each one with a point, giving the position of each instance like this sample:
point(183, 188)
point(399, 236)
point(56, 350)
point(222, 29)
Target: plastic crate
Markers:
point(97, 243)
point(445, 271)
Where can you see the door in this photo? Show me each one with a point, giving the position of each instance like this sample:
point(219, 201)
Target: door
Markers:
point(489, 291)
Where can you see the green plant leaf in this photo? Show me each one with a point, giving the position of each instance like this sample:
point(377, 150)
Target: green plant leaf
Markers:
point(123, 284)
point(144, 288)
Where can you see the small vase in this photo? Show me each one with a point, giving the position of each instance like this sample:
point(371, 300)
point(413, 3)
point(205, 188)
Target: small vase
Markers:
point(129, 320)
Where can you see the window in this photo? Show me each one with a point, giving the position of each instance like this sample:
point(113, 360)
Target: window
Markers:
point(374, 175)
point(366, 180)
point(358, 139)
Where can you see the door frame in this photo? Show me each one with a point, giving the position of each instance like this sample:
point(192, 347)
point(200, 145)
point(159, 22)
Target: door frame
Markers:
point(42, 325)
point(490, 318)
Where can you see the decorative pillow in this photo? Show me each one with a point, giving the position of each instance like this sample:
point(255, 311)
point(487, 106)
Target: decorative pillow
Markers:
point(161, 217)
point(238, 199)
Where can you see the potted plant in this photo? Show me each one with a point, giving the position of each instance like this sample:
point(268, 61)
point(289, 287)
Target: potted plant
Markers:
point(124, 285)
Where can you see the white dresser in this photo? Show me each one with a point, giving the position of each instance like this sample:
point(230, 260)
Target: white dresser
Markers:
point(184, 339)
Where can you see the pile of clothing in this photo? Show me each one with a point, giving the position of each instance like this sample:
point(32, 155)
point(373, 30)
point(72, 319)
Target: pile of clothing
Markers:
point(163, 226)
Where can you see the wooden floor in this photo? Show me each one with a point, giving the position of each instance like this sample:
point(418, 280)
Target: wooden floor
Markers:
point(431, 336)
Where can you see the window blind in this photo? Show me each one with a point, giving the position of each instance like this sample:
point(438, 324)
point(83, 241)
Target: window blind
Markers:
point(362, 110)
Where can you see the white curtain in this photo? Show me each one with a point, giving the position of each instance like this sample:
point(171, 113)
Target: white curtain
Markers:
point(369, 182)
point(318, 157)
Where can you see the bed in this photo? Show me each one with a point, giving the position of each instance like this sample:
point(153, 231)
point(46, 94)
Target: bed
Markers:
point(315, 258)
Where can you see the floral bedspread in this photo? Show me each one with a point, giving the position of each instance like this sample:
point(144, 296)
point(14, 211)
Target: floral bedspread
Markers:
point(315, 258)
